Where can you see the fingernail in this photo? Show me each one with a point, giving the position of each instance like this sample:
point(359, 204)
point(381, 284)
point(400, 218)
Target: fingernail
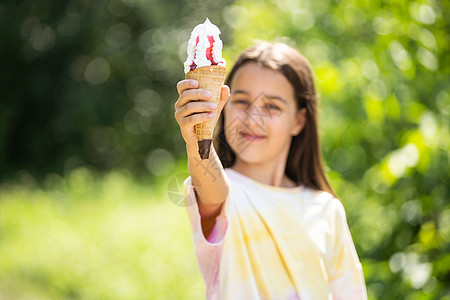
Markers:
point(210, 115)
point(207, 94)
point(193, 84)
point(213, 105)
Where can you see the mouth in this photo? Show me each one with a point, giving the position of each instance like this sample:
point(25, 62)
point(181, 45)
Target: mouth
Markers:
point(251, 137)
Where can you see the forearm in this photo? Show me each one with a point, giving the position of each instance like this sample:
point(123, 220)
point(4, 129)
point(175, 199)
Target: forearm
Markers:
point(208, 177)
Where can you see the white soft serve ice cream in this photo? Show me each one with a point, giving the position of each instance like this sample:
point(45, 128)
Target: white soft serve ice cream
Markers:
point(204, 47)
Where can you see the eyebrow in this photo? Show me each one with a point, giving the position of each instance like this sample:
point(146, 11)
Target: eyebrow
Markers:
point(265, 95)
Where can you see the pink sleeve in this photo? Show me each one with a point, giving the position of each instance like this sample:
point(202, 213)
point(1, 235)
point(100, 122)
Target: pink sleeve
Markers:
point(345, 271)
point(208, 251)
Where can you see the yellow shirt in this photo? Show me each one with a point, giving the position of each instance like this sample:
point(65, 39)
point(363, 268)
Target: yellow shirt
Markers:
point(276, 243)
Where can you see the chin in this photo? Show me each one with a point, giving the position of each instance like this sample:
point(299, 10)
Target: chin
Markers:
point(250, 155)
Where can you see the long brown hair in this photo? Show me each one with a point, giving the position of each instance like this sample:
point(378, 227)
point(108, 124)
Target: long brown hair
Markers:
point(304, 163)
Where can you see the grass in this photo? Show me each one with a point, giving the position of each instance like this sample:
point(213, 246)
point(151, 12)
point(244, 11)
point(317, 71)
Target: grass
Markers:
point(90, 236)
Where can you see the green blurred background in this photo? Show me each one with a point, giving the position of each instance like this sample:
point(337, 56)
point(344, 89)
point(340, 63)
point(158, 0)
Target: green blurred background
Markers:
point(89, 146)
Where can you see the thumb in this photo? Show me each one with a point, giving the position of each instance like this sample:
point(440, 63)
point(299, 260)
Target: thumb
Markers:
point(224, 96)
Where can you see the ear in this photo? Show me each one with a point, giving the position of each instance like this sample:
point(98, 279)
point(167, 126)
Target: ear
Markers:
point(299, 122)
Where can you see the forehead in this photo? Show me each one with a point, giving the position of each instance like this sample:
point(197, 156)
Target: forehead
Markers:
point(256, 79)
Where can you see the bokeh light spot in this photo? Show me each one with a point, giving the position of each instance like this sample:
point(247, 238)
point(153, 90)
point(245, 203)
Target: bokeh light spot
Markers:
point(426, 14)
point(401, 57)
point(402, 159)
point(235, 16)
point(412, 211)
point(97, 71)
point(370, 69)
point(427, 59)
point(42, 39)
point(160, 162)
point(397, 262)
point(303, 19)
point(118, 35)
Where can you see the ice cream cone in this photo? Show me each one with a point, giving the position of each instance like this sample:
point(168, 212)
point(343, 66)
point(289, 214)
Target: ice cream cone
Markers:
point(209, 78)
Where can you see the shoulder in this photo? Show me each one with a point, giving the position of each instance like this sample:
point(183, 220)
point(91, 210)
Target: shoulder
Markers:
point(318, 197)
point(328, 203)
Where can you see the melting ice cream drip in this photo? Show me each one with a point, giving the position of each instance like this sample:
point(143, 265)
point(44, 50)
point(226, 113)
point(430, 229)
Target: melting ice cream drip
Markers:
point(204, 47)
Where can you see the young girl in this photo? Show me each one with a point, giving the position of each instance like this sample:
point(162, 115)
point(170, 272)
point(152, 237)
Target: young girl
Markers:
point(266, 224)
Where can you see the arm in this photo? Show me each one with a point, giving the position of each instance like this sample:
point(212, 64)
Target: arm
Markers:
point(211, 187)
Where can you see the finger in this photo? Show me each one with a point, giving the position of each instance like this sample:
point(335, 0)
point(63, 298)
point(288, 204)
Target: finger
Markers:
point(186, 84)
point(196, 119)
point(224, 96)
point(192, 95)
point(194, 108)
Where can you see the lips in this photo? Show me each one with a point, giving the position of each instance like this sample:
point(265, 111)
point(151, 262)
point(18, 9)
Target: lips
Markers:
point(251, 136)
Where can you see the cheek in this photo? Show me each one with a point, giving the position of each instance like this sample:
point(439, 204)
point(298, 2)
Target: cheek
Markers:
point(279, 124)
point(280, 128)
point(232, 116)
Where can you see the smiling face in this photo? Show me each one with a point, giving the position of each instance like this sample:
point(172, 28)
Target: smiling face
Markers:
point(262, 115)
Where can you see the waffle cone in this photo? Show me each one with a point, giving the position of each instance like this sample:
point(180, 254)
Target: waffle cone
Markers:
point(209, 78)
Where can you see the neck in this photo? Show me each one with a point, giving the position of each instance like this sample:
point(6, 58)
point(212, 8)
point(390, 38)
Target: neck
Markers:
point(270, 173)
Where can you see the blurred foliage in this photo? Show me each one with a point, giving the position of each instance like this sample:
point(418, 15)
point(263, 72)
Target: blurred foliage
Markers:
point(88, 236)
point(93, 83)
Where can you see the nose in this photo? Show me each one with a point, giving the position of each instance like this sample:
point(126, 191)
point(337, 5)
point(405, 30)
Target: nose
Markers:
point(254, 116)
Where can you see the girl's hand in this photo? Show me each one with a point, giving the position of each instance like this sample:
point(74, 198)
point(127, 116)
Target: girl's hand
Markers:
point(193, 107)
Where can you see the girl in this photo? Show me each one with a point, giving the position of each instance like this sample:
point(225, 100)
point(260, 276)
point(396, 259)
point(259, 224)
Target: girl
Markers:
point(265, 221)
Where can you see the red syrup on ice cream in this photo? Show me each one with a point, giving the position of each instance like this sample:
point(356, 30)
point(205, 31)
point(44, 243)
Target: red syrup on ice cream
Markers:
point(209, 55)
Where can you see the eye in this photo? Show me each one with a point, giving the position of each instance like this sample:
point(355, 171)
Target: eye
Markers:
point(240, 101)
point(271, 107)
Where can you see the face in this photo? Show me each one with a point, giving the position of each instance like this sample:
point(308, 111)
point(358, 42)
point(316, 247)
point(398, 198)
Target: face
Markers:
point(262, 116)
